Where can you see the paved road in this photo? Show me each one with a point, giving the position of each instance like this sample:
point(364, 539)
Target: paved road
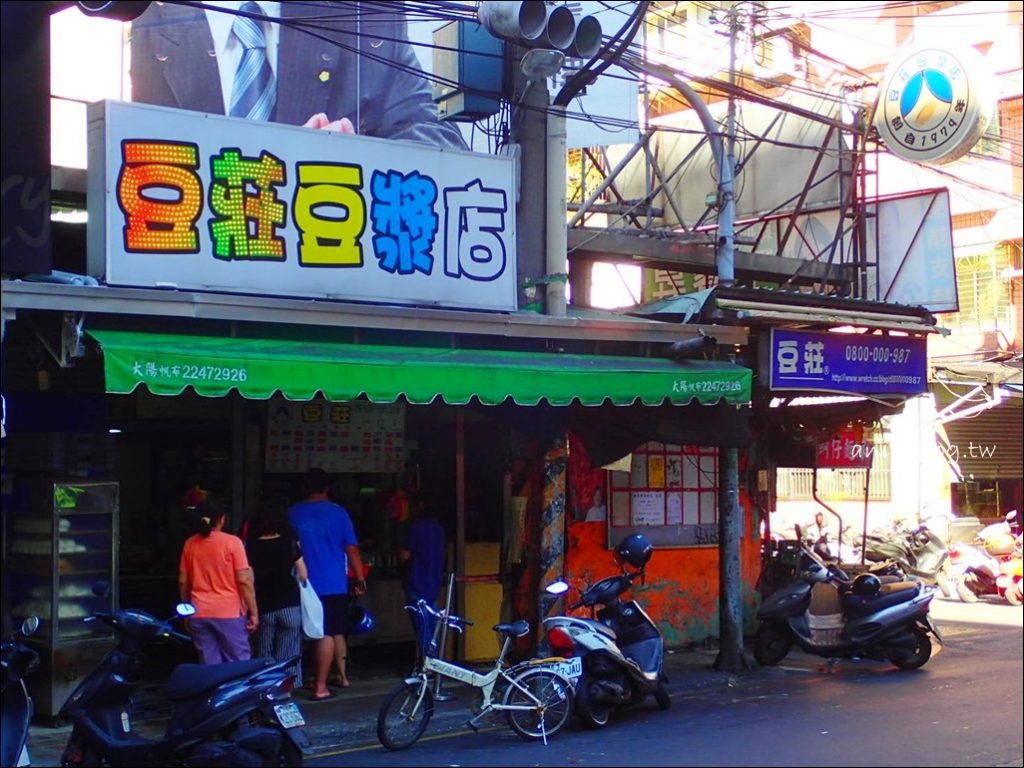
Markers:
point(964, 708)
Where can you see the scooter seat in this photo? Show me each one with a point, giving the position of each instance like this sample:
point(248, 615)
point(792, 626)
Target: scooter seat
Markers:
point(886, 580)
point(188, 680)
point(888, 596)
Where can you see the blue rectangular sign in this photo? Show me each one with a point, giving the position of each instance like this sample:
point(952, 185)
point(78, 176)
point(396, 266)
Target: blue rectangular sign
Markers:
point(849, 363)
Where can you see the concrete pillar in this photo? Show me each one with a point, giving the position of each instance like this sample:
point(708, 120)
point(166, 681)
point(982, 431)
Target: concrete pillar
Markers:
point(552, 526)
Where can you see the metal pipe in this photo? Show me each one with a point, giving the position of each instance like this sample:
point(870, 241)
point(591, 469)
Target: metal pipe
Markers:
point(725, 256)
point(864, 533)
point(460, 511)
point(836, 515)
point(610, 178)
point(727, 303)
point(556, 236)
point(439, 693)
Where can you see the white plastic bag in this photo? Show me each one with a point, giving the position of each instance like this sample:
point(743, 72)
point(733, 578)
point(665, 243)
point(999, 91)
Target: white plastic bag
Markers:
point(312, 610)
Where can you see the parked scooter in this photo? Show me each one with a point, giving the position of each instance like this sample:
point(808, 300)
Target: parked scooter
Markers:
point(992, 567)
point(621, 650)
point(861, 618)
point(17, 660)
point(919, 552)
point(1011, 580)
point(230, 714)
point(781, 561)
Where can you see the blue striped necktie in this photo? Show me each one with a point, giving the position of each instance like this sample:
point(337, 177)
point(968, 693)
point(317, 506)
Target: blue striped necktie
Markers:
point(255, 90)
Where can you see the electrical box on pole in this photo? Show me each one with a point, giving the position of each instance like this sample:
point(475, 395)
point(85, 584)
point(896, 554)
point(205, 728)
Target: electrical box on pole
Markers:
point(469, 65)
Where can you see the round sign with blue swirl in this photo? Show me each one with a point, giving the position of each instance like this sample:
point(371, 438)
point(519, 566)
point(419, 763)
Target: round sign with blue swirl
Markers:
point(933, 106)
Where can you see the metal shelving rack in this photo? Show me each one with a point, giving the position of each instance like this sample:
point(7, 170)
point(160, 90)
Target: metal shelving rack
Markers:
point(62, 565)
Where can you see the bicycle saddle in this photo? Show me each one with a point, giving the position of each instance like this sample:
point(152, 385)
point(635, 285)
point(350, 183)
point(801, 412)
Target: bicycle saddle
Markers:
point(516, 629)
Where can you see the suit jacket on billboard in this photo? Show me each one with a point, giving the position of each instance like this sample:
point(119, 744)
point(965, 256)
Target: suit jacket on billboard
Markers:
point(172, 65)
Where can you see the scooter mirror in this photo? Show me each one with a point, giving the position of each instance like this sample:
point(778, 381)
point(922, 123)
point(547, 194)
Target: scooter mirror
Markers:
point(101, 588)
point(557, 588)
point(29, 626)
point(184, 610)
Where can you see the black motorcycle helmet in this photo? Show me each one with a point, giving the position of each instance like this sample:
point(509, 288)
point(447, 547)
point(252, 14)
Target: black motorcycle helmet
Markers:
point(635, 550)
point(866, 585)
point(360, 620)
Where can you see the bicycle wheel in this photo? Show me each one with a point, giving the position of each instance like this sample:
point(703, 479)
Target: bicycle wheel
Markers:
point(549, 698)
point(404, 715)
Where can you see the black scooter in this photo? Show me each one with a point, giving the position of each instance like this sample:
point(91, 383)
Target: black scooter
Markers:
point(825, 613)
point(621, 651)
point(17, 661)
point(230, 714)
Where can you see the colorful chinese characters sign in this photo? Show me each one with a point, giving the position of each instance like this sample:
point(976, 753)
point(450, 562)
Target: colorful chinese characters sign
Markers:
point(337, 437)
point(203, 202)
point(847, 363)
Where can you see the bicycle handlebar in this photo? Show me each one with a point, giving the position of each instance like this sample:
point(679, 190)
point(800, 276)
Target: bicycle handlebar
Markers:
point(452, 620)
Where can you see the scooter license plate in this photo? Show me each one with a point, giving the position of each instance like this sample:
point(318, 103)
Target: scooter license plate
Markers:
point(570, 669)
point(289, 715)
point(934, 629)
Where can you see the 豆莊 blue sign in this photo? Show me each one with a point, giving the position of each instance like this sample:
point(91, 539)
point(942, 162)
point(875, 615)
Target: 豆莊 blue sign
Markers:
point(849, 363)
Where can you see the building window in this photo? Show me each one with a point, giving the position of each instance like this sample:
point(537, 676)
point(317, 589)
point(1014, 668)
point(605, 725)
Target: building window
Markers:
point(670, 495)
point(984, 292)
point(985, 498)
point(998, 140)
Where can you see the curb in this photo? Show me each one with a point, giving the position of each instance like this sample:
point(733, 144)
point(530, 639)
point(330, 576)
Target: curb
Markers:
point(348, 721)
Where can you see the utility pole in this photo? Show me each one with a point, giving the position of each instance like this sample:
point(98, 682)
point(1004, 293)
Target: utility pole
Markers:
point(730, 516)
point(529, 128)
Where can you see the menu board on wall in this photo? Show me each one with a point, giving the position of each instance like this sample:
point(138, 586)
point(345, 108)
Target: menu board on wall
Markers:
point(336, 437)
point(674, 470)
point(656, 470)
point(674, 508)
point(648, 507)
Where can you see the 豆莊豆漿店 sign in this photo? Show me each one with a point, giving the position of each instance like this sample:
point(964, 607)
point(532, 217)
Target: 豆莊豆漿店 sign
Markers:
point(204, 202)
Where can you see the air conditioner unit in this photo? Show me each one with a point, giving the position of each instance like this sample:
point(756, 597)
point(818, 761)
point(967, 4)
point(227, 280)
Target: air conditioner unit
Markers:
point(774, 62)
point(703, 13)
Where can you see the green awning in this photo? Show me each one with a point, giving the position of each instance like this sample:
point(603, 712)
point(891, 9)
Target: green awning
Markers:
point(167, 364)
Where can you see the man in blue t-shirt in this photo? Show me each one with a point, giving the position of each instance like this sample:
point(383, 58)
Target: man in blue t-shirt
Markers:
point(329, 545)
point(424, 552)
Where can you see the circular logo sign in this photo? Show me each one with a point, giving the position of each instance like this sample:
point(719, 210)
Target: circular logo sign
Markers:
point(933, 105)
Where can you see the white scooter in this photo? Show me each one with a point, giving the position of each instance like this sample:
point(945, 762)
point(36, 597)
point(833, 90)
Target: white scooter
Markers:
point(986, 567)
point(621, 650)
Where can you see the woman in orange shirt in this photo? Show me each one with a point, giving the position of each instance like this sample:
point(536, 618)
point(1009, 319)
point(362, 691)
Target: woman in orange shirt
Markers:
point(215, 576)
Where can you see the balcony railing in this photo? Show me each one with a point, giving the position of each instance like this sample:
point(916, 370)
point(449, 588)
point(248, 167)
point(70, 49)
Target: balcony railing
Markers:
point(794, 484)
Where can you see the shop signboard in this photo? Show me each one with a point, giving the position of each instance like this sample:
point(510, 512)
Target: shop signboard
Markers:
point(934, 103)
point(845, 449)
point(847, 363)
point(195, 201)
point(335, 436)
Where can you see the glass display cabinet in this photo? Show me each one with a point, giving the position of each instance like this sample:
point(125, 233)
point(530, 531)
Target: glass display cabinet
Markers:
point(62, 566)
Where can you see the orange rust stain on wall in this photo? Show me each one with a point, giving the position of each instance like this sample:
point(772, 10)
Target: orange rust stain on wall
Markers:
point(681, 593)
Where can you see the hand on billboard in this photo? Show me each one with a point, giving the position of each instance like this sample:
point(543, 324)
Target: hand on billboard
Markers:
point(319, 120)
